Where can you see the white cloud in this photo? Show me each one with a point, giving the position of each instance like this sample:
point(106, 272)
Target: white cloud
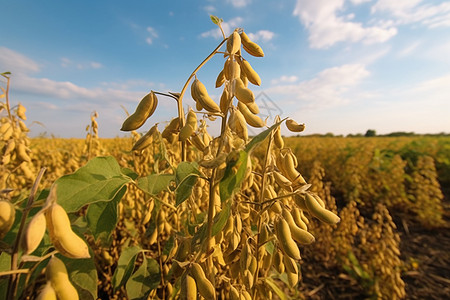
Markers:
point(409, 49)
point(284, 79)
point(239, 3)
point(414, 11)
point(228, 28)
point(326, 27)
point(209, 8)
point(153, 35)
point(67, 63)
point(330, 87)
point(15, 62)
point(356, 2)
point(264, 35)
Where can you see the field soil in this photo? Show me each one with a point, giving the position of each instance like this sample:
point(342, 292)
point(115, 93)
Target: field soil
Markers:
point(426, 256)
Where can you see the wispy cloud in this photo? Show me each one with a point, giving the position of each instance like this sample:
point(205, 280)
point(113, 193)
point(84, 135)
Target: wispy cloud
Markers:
point(415, 11)
point(284, 79)
point(152, 34)
point(228, 28)
point(261, 35)
point(15, 62)
point(68, 63)
point(329, 88)
point(326, 27)
point(209, 8)
point(239, 3)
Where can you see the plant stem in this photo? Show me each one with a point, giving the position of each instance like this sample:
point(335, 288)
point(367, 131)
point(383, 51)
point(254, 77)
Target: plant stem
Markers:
point(261, 199)
point(13, 280)
point(180, 98)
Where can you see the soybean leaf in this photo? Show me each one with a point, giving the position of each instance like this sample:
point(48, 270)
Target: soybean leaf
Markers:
point(145, 279)
point(185, 169)
point(83, 274)
point(232, 180)
point(220, 220)
point(153, 184)
point(260, 137)
point(184, 189)
point(130, 173)
point(276, 289)
point(125, 266)
point(102, 217)
point(99, 180)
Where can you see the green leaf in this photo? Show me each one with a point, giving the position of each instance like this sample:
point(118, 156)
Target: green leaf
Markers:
point(220, 220)
point(260, 137)
point(102, 217)
point(130, 173)
point(185, 169)
point(83, 274)
point(185, 177)
point(99, 180)
point(145, 279)
point(276, 289)
point(125, 266)
point(184, 189)
point(232, 180)
point(153, 184)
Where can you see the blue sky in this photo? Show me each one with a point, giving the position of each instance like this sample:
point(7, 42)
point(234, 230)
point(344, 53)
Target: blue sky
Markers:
point(341, 66)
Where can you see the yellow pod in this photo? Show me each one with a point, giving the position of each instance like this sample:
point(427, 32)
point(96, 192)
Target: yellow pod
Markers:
point(56, 273)
point(10, 146)
point(277, 138)
point(47, 292)
point(234, 294)
point(235, 69)
point(278, 262)
point(34, 232)
point(203, 98)
point(234, 43)
point(248, 279)
point(251, 74)
point(144, 110)
point(225, 100)
point(63, 238)
point(319, 212)
point(7, 217)
point(253, 107)
point(298, 234)
point(188, 288)
point(205, 287)
point(246, 256)
point(287, 244)
point(226, 69)
point(21, 112)
point(220, 79)
point(186, 132)
point(251, 119)
point(251, 47)
point(146, 140)
point(197, 141)
point(294, 126)
point(173, 127)
point(22, 154)
point(191, 119)
point(297, 215)
point(282, 181)
point(244, 79)
point(242, 93)
point(245, 295)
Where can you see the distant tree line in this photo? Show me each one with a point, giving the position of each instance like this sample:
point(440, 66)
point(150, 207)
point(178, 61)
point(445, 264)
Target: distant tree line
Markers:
point(373, 133)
